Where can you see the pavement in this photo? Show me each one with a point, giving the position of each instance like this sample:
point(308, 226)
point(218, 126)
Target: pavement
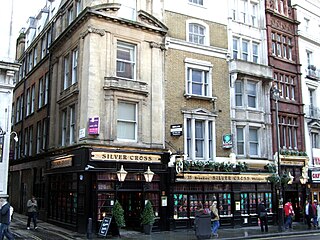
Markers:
point(47, 231)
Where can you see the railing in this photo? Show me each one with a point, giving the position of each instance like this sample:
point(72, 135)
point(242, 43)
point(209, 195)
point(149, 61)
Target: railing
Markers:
point(312, 112)
point(313, 73)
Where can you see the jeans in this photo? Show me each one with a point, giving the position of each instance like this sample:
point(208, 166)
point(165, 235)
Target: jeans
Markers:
point(215, 226)
point(33, 216)
point(288, 222)
point(5, 231)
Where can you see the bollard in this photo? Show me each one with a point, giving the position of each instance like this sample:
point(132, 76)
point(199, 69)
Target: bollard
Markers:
point(89, 229)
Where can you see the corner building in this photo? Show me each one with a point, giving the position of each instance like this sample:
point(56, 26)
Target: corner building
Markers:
point(104, 64)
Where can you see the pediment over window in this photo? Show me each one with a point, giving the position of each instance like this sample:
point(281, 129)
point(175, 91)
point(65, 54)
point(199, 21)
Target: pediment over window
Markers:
point(314, 124)
point(199, 111)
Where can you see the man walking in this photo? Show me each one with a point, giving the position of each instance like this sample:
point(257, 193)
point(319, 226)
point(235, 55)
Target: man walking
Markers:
point(315, 216)
point(308, 213)
point(5, 218)
point(289, 213)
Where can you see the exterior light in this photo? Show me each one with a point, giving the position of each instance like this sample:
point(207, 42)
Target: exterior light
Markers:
point(121, 174)
point(148, 175)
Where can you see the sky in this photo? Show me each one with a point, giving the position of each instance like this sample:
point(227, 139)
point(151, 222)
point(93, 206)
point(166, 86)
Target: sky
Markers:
point(22, 10)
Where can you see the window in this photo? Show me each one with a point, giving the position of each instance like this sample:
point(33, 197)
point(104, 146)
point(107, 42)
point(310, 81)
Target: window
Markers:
point(254, 9)
point(238, 93)
point(44, 133)
point(127, 121)
point(245, 50)
point(43, 47)
point(28, 102)
point(26, 142)
point(33, 98)
point(35, 56)
point(196, 33)
point(246, 90)
point(72, 124)
point(74, 66)
point(235, 48)
point(49, 38)
point(198, 82)
point(64, 127)
point(1, 147)
point(126, 60)
point(288, 132)
point(46, 88)
point(199, 136)
point(243, 10)
point(30, 140)
point(78, 7)
point(30, 59)
point(66, 73)
point(40, 94)
point(198, 78)
point(128, 9)
point(68, 125)
point(253, 141)
point(198, 2)
point(70, 15)
point(38, 143)
point(240, 140)
point(287, 85)
point(252, 94)
point(306, 24)
point(255, 52)
point(281, 46)
point(315, 140)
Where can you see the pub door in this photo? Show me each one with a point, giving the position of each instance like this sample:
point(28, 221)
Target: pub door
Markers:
point(132, 205)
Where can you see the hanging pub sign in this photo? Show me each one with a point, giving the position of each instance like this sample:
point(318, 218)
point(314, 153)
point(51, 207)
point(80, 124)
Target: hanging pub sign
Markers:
point(176, 130)
point(94, 124)
point(227, 141)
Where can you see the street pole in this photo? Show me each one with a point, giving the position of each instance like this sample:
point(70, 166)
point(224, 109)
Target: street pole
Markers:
point(276, 96)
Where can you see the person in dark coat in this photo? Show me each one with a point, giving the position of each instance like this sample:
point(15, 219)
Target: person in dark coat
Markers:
point(263, 216)
point(308, 213)
point(5, 218)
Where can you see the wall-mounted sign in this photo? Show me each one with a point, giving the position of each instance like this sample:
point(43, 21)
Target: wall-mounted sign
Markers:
point(130, 157)
point(62, 162)
point(94, 125)
point(315, 176)
point(176, 130)
point(248, 178)
point(227, 141)
point(82, 133)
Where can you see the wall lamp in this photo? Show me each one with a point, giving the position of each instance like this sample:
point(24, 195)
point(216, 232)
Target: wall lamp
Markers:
point(2, 133)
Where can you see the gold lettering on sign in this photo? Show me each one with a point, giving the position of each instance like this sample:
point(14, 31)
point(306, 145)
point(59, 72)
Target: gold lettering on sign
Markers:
point(62, 162)
point(224, 177)
point(130, 157)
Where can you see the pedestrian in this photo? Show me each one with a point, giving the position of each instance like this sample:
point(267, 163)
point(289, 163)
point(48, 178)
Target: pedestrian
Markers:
point(308, 213)
point(5, 219)
point(289, 213)
point(215, 219)
point(32, 206)
point(263, 216)
point(315, 216)
point(318, 214)
point(202, 223)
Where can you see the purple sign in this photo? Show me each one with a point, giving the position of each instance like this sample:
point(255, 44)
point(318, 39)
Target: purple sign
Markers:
point(94, 124)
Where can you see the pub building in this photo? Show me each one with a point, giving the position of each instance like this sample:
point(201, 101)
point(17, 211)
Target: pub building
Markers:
point(86, 182)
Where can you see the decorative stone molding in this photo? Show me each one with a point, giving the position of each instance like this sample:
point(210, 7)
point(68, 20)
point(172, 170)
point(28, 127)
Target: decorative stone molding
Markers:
point(91, 29)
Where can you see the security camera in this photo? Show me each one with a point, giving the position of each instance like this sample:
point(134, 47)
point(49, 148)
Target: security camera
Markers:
point(88, 167)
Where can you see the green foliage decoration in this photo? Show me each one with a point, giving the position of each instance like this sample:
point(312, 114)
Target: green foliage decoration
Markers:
point(147, 215)
point(118, 214)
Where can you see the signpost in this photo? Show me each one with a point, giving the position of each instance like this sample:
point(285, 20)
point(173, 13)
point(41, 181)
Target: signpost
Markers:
point(104, 227)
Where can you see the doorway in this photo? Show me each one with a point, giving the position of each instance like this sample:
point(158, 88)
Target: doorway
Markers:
point(296, 204)
point(131, 203)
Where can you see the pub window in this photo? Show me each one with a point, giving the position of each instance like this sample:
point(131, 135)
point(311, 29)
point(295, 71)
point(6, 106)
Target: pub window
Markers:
point(224, 202)
point(180, 205)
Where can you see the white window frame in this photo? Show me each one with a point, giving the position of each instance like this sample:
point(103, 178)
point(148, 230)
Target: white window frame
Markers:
point(74, 75)
point(72, 123)
point(196, 2)
point(235, 48)
point(46, 88)
point(240, 140)
point(64, 115)
point(66, 72)
point(255, 55)
point(28, 107)
point(121, 63)
point(44, 133)
point(245, 53)
point(131, 122)
point(245, 94)
point(35, 56)
point(43, 47)
point(254, 142)
point(252, 95)
point(254, 14)
point(78, 7)
point(38, 147)
point(40, 93)
point(206, 33)
point(206, 77)
point(238, 89)
point(33, 98)
point(209, 146)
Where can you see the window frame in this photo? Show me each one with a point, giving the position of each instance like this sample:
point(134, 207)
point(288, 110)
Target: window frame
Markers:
point(133, 122)
point(121, 62)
